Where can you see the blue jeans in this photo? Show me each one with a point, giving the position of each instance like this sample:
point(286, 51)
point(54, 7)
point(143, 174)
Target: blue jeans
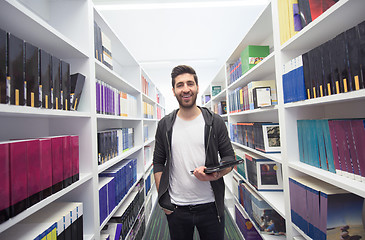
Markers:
point(203, 216)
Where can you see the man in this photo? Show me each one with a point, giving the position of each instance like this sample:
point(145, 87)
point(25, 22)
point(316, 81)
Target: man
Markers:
point(187, 139)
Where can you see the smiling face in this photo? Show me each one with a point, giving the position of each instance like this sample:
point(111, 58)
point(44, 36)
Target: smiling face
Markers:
point(186, 90)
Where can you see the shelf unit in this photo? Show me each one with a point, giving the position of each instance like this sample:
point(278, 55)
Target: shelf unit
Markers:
point(65, 29)
point(265, 31)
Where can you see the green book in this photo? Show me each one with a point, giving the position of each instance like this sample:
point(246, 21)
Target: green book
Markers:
point(252, 55)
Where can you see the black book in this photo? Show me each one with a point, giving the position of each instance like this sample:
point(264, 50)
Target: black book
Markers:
point(32, 75)
point(319, 71)
point(342, 62)
point(16, 70)
point(4, 98)
point(314, 88)
point(77, 84)
point(306, 73)
point(45, 78)
point(65, 85)
point(361, 35)
point(56, 83)
point(353, 45)
point(328, 87)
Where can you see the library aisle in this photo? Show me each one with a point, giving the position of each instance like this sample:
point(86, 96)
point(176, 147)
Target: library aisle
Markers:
point(158, 228)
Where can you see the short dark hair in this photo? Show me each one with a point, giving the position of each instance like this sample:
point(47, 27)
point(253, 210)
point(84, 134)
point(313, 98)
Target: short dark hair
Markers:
point(181, 69)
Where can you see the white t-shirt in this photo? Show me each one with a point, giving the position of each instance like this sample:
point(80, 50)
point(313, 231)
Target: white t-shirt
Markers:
point(188, 153)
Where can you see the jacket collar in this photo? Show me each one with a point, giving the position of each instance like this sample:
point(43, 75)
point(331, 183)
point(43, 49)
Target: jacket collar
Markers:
point(207, 115)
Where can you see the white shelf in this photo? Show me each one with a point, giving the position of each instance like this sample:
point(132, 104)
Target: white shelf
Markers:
point(265, 31)
point(65, 29)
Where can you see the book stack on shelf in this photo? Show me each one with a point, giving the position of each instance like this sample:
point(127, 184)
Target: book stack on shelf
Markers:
point(246, 227)
point(262, 136)
point(249, 57)
point(112, 143)
point(114, 184)
point(59, 220)
point(294, 15)
point(34, 169)
point(334, 145)
point(254, 95)
point(120, 225)
point(220, 107)
point(323, 211)
point(331, 68)
point(111, 101)
point(103, 47)
point(148, 110)
point(30, 76)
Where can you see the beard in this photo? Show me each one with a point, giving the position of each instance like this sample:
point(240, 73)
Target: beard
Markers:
point(187, 104)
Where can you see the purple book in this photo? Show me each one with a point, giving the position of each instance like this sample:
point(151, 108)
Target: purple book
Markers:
point(97, 97)
point(358, 133)
point(339, 166)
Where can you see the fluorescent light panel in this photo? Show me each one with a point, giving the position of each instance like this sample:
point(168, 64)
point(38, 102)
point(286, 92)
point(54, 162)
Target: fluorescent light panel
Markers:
point(111, 7)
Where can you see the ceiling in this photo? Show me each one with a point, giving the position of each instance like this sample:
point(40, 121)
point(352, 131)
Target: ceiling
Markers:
point(161, 34)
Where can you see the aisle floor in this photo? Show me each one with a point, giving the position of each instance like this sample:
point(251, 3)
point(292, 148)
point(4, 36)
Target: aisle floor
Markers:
point(157, 228)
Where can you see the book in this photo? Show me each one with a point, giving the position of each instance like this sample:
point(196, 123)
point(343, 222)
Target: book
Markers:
point(304, 12)
point(261, 97)
point(267, 137)
point(4, 93)
point(45, 148)
point(103, 199)
point(16, 70)
point(216, 90)
point(263, 174)
point(5, 182)
point(67, 161)
point(34, 172)
point(65, 85)
point(246, 227)
point(45, 78)
point(75, 151)
point(18, 177)
point(252, 55)
point(57, 163)
point(77, 84)
point(263, 83)
point(361, 35)
point(31, 73)
point(56, 83)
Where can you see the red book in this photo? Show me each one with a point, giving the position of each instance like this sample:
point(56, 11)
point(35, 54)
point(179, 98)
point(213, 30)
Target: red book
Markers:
point(57, 164)
point(75, 157)
point(34, 171)
point(45, 146)
point(67, 161)
point(4, 182)
point(18, 177)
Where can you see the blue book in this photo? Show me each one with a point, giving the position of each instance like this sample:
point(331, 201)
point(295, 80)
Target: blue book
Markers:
point(103, 202)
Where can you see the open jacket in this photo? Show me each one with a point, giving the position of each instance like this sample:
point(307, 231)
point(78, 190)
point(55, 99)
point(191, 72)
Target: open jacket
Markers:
point(216, 140)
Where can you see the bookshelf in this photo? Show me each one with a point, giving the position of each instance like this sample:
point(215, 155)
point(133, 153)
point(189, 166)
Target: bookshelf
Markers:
point(65, 29)
point(265, 31)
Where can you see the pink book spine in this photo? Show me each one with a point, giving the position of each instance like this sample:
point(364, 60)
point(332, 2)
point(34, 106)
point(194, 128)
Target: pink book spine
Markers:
point(34, 171)
point(75, 157)
point(4, 182)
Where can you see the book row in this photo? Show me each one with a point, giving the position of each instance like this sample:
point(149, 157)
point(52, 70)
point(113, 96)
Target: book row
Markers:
point(114, 184)
point(103, 47)
point(30, 76)
point(121, 225)
point(146, 86)
point(334, 145)
point(58, 220)
point(34, 169)
point(249, 57)
point(220, 107)
point(245, 225)
point(255, 94)
point(148, 110)
point(265, 218)
point(262, 173)
point(160, 112)
point(114, 142)
point(262, 136)
point(111, 101)
point(294, 15)
point(323, 211)
point(337, 66)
